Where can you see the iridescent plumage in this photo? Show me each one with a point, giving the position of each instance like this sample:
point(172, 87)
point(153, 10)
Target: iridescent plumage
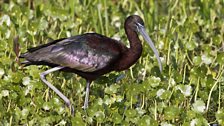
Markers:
point(90, 55)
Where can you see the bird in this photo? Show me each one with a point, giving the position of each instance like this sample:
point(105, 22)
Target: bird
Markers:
point(90, 55)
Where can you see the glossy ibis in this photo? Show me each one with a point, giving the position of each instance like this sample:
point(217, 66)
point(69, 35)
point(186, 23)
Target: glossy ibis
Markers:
point(90, 55)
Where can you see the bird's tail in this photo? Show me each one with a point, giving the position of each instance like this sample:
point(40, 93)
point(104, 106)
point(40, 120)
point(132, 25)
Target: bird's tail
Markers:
point(16, 49)
point(26, 62)
point(23, 55)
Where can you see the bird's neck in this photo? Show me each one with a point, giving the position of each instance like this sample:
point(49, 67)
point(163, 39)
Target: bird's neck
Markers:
point(133, 53)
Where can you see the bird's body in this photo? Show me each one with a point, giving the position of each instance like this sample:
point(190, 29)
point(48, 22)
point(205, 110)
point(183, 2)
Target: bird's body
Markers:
point(90, 55)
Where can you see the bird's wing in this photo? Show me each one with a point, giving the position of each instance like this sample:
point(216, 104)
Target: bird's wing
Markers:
point(87, 53)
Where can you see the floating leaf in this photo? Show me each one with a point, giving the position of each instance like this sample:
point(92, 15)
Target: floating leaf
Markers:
point(216, 39)
point(191, 45)
point(220, 58)
point(5, 19)
point(171, 113)
point(24, 113)
point(220, 116)
point(154, 81)
point(100, 116)
point(117, 118)
point(5, 93)
point(112, 89)
point(198, 106)
point(26, 81)
point(146, 120)
point(62, 123)
point(197, 60)
point(163, 94)
point(199, 122)
point(185, 89)
point(166, 124)
point(160, 92)
point(130, 113)
point(43, 24)
point(206, 59)
point(77, 120)
point(191, 115)
point(46, 106)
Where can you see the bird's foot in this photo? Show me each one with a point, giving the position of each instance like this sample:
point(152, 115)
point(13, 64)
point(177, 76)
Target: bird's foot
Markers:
point(71, 107)
point(120, 77)
point(85, 106)
point(72, 110)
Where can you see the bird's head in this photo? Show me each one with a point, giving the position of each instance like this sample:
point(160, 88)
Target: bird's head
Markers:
point(135, 23)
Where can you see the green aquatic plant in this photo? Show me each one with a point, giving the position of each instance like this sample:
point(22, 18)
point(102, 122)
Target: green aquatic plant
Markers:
point(188, 35)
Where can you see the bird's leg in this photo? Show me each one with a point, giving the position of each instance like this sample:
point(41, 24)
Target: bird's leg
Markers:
point(121, 76)
point(87, 94)
point(66, 100)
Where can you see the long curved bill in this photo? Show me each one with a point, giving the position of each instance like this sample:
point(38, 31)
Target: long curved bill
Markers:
point(142, 31)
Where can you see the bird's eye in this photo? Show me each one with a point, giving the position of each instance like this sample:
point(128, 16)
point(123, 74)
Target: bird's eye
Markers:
point(138, 26)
